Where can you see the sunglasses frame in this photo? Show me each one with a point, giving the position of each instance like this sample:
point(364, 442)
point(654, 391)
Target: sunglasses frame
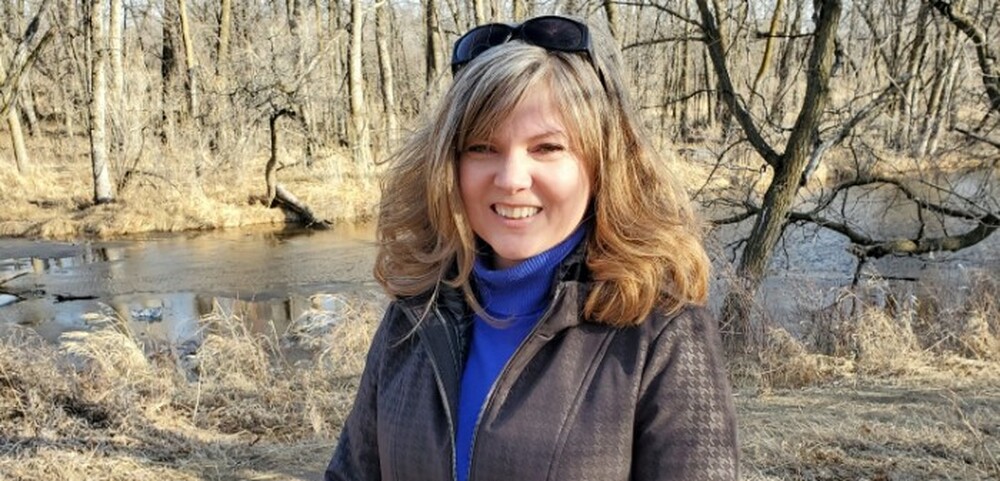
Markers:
point(516, 32)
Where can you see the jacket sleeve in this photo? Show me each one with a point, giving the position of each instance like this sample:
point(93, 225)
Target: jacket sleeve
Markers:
point(356, 457)
point(685, 426)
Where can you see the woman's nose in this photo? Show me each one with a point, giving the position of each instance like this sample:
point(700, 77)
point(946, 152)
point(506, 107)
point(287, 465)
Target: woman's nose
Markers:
point(514, 173)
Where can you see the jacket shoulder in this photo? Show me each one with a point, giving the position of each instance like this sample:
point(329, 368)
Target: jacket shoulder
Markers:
point(688, 319)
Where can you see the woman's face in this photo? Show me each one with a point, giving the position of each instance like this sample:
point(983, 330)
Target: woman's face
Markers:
point(524, 189)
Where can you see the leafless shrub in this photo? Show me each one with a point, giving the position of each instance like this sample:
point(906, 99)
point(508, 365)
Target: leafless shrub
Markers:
point(787, 363)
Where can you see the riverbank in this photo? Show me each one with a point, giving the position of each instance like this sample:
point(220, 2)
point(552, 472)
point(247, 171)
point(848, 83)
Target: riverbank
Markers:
point(894, 402)
point(54, 200)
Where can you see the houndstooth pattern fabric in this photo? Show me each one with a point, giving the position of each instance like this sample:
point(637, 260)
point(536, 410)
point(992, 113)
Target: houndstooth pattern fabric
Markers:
point(578, 401)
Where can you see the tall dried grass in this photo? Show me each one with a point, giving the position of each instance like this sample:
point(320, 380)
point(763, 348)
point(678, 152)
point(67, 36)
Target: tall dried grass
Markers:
point(53, 201)
point(101, 405)
point(927, 333)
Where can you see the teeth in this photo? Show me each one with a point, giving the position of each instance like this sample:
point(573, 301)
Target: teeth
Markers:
point(516, 212)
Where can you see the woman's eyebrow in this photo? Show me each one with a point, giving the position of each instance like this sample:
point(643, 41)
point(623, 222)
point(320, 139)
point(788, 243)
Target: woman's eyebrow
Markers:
point(551, 133)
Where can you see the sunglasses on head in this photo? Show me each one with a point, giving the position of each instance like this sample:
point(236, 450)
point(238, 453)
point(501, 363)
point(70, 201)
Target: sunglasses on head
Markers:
point(550, 32)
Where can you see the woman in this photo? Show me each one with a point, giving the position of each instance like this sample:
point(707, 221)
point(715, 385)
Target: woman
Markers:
point(547, 277)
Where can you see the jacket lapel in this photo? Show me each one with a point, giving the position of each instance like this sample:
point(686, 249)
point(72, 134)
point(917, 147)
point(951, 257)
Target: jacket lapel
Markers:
point(443, 330)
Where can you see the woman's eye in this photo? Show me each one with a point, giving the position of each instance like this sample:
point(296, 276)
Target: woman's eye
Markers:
point(479, 149)
point(549, 148)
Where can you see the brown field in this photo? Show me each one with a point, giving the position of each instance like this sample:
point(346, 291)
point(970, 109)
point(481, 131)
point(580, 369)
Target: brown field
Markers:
point(101, 406)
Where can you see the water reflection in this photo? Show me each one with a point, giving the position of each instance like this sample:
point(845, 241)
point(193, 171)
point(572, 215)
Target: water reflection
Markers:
point(88, 254)
point(161, 287)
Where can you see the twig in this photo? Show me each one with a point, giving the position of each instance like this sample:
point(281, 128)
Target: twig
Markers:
point(5, 278)
point(980, 138)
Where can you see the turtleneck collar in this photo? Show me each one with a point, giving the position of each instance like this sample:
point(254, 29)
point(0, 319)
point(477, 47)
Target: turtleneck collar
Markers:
point(522, 290)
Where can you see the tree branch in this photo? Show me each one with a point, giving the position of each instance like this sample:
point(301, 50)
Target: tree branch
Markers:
point(870, 248)
point(657, 41)
point(717, 53)
point(663, 8)
point(985, 58)
point(24, 55)
point(817, 154)
point(980, 138)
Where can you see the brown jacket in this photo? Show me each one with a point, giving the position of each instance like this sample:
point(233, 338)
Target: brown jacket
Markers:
point(577, 401)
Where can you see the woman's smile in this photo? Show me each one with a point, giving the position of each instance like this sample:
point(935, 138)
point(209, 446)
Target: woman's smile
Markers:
point(515, 212)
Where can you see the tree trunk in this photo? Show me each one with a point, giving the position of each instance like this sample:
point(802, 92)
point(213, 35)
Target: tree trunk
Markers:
point(913, 64)
point(24, 55)
point(780, 194)
point(24, 98)
point(99, 105)
point(707, 84)
point(788, 167)
point(17, 140)
point(21, 159)
point(984, 55)
point(611, 12)
point(479, 7)
point(768, 44)
point(190, 61)
point(777, 113)
point(941, 95)
point(225, 32)
point(294, 14)
point(519, 10)
point(382, 25)
point(117, 98)
point(684, 120)
point(116, 40)
point(433, 52)
point(359, 111)
point(168, 70)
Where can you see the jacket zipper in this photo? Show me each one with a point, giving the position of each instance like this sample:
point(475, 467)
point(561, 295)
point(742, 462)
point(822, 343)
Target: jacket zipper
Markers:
point(488, 404)
point(444, 394)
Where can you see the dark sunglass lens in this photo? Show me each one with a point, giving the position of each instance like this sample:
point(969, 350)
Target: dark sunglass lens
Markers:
point(555, 33)
point(478, 41)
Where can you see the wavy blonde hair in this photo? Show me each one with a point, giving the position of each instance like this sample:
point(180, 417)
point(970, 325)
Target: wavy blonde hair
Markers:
point(645, 247)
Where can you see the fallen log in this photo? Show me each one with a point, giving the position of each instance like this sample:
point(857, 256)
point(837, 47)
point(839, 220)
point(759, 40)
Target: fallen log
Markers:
point(288, 202)
point(277, 195)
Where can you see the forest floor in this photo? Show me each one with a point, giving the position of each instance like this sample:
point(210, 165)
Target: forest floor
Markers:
point(102, 405)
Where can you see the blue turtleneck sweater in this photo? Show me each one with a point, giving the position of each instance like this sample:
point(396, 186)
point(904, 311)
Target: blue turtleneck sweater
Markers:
point(516, 298)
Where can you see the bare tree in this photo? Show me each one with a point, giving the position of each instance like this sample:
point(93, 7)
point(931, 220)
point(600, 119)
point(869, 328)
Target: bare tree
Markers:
point(190, 61)
point(611, 13)
point(382, 33)
point(168, 69)
point(770, 221)
point(225, 32)
point(479, 9)
point(99, 104)
point(21, 158)
point(36, 35)
point(359, 109)
point(985, 57)
point(434, 53)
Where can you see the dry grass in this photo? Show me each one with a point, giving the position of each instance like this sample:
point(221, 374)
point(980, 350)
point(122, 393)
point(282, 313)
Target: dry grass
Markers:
point(914, 429)
point(53, 201)
point(909, 393)
point(102, 406)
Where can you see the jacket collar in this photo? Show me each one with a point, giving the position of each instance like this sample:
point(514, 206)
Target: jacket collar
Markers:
point(443, 323)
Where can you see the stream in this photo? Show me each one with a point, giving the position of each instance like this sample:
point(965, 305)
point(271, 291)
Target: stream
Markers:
point(162, 285)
